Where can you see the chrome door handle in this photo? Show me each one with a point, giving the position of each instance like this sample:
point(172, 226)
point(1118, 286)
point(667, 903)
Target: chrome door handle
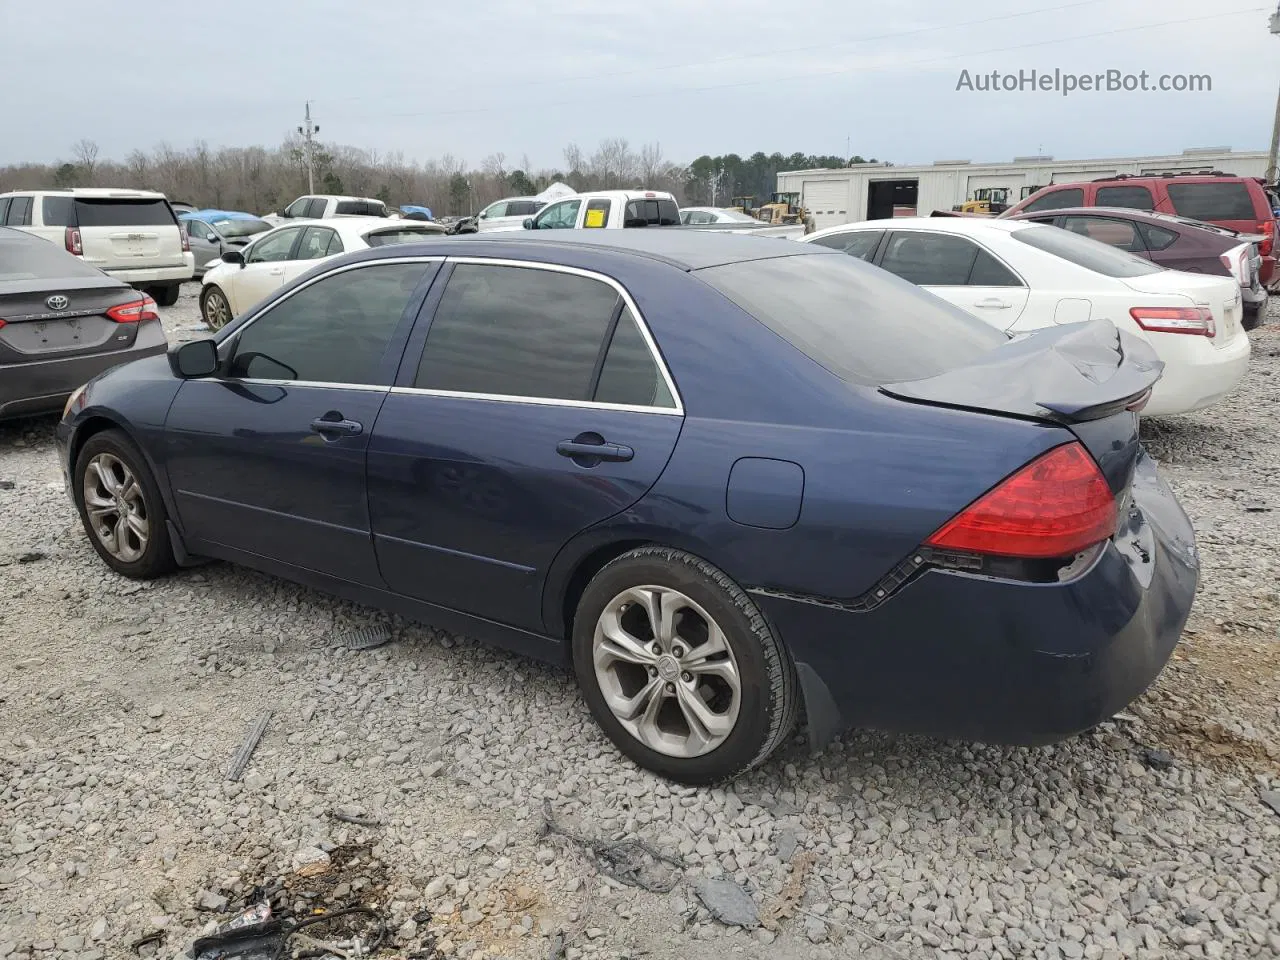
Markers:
point(991, 303)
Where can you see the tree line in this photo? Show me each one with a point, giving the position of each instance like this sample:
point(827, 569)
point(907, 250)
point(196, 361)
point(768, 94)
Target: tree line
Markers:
point(264, 179)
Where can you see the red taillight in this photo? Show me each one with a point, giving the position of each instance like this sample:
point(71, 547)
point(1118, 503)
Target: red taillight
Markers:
point(186, 238)
point(71, 239)
point(136, 311)
point(1056, 506)
point(1268, 230)
point(1197, 321)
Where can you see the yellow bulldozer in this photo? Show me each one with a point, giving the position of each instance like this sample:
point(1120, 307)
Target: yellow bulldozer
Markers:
point(745, 205)
point(986, 200)
point(784, 208)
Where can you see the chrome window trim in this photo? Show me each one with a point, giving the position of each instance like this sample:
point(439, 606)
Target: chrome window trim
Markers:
point(654, 353)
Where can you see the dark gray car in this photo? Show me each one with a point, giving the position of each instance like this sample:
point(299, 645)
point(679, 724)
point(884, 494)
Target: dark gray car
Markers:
point(62, 322)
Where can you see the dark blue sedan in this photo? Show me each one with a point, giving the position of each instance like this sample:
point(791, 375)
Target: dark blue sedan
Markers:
point(726, 478)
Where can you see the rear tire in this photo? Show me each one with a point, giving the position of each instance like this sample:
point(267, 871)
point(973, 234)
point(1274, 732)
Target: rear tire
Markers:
point(121, 507)
point(215, 308)
point(707, 695)
point(165, 296)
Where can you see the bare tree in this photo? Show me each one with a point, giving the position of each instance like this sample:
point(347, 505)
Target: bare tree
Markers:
point(650, 164)
point(495, 165)
point(86, 153)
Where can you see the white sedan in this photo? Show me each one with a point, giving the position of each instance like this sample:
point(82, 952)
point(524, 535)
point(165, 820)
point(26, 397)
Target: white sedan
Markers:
point(734, 221)
point(1019, 276)
point(274, 258)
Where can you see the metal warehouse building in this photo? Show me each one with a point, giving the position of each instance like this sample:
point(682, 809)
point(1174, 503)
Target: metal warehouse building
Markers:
point(874, 191)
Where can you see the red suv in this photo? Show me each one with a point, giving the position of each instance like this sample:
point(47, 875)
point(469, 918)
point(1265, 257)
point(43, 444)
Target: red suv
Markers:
point(1243, 204)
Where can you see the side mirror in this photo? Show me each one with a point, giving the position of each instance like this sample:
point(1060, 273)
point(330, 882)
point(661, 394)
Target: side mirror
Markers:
point(197, 358)
point(233, 256)
point(528, 223)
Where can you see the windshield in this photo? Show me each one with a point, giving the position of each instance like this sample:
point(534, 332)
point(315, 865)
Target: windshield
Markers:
point(241, 228)
point(863, 324)
point(1084, 252)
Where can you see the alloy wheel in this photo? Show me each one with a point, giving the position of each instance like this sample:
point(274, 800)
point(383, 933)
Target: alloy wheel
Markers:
point(667, 671)
point(115, 507)
point(217, 312)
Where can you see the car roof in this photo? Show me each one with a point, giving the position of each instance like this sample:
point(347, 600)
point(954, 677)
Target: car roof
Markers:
point(217, 215)
point(618, 195)
point(961, 225)
point(348, 226)
point(95, 192)
point(685, 249)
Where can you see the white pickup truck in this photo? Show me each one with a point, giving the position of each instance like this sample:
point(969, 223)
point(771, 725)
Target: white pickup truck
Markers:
point(618, 209)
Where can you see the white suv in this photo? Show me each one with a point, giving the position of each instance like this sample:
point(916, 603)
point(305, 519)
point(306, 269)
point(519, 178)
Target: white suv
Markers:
point(131, 235)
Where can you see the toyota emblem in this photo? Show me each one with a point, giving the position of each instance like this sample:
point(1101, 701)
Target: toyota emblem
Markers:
point(57, 302)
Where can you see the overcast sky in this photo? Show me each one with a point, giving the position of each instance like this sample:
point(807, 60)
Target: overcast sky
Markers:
point(429, 77)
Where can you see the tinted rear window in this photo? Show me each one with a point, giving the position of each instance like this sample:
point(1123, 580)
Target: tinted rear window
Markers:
point(27, 258)
point(1212, 201)
point(651, 213)
point(58, 211)
point(362, 208)
point(1085, 252)
point(523, 208)
point(863, 324)
point(1056, 200)
point(1135, 198)
point(123, 213)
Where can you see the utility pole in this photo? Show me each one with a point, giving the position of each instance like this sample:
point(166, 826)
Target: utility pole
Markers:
point(1272, 172)
point(714, 182)
point(308, 131)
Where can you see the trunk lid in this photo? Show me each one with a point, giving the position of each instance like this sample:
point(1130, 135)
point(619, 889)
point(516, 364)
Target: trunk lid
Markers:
point(1083, 376)
point(34, 330)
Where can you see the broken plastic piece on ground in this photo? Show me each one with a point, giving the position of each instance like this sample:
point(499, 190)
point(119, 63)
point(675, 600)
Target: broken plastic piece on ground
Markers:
point(258, 913)
point(366, 638)
point(259, 941)
point(241, 759)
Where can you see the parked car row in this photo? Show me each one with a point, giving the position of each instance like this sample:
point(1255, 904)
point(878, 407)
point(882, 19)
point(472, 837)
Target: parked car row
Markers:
point(1020, 276)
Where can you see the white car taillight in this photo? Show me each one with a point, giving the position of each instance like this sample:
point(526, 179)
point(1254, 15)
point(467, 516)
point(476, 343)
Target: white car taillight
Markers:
point(1197, 321)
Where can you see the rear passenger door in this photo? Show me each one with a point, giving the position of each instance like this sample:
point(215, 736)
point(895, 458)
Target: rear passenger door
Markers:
point(530, 405)
point(960, 271)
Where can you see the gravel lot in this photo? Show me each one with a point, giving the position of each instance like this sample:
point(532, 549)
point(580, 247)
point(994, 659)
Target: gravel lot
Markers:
point(121, 706)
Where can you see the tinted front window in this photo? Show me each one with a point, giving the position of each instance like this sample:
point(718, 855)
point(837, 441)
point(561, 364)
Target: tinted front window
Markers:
point(334, 331)
point(298, 208)
point(1056, 200)
point(859, 243)
point(1135, 198)
point(1212, 201)
point(498, 209)
point(651, 212)
point(630, 375)
point(27, 258)
point(274, 248)
point(115, 212)
point(930, 259)
point(559, 216)
point(862, 325)
point(1084, 252)
point(316, 208)
point(517, 332)
point(58, 211)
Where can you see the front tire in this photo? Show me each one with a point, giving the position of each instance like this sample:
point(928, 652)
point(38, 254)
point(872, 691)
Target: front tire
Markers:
point(681, 669)
point(215, 308)
point(121, 508)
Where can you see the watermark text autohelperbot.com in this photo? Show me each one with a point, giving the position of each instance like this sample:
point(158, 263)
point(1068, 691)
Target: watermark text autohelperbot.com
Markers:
point(1065, 83)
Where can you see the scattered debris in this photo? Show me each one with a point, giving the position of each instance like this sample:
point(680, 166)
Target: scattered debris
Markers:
point(1256, 508)
point(788, 901)
point(1271, 798)
point(241, 759)
point(310, 862)
point(154, 938)
point(30, 555)
point(632, 862)
point(728, 903)
point(366, 638)
point(213, 902)
point(1157, 759)
point(787, 843)
point(6, 484)
point(354, 818)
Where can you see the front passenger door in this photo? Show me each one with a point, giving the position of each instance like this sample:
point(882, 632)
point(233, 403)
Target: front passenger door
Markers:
point(267, 460)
